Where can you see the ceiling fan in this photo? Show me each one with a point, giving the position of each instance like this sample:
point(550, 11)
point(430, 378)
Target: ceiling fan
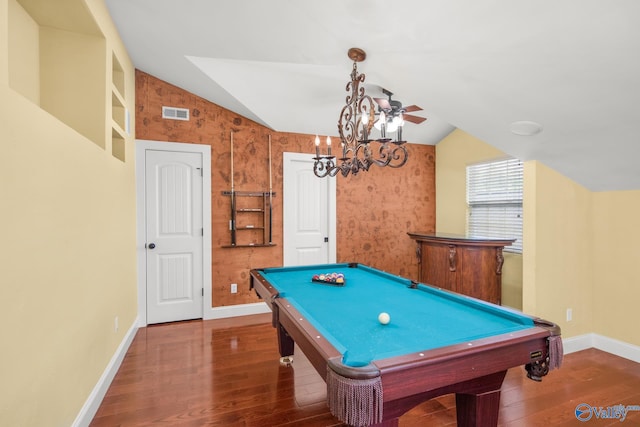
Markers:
point(393, 108)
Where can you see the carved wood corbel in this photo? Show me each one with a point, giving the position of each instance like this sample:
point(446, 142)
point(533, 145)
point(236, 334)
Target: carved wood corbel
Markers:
point(452, 258)
point(499, 260)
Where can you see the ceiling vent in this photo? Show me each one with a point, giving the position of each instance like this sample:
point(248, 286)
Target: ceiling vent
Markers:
point(174, 113)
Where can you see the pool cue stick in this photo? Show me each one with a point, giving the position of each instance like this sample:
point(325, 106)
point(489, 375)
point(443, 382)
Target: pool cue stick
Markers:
point(233, 200)
point(270, 195)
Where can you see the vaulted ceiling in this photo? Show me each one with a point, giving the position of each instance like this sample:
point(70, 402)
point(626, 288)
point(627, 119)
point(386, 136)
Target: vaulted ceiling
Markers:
point(571, 66)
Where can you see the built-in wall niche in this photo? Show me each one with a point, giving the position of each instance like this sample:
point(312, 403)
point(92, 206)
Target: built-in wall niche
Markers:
point(117, 145)
point(119, 113)
point(57, 60)
point(117, 76)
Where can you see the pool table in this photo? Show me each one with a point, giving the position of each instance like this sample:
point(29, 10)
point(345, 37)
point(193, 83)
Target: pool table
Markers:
point(436, 342)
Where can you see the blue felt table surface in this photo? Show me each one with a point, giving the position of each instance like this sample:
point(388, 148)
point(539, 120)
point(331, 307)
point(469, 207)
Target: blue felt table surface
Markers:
point(421, 319)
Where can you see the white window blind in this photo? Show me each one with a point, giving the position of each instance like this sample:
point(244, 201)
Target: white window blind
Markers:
point(494, 199)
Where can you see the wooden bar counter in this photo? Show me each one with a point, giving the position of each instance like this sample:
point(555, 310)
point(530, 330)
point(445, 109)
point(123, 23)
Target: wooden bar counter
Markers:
point(467, 265)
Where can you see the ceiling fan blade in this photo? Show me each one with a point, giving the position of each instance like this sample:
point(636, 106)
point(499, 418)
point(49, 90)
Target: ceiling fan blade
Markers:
point(412, 108)
point(383, 103)
point(413, 119)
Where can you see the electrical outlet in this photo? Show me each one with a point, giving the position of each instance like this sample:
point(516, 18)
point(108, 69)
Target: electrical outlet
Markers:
point(569, 314)
point(115, 324)
point(234, 288)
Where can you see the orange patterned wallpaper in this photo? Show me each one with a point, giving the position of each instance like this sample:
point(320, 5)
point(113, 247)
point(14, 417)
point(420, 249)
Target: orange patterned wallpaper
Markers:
point(375, 210)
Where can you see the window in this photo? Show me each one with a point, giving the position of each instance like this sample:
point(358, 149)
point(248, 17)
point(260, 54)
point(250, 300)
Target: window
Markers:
point(494, 200)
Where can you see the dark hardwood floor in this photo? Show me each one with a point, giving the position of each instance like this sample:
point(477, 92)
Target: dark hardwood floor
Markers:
point(227, 373)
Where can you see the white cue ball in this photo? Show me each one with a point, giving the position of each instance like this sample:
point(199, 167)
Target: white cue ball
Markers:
point(384, 318)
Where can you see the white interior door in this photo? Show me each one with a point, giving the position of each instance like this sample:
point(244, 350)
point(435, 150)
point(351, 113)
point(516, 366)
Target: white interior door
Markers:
point(309, 214)
point(174, 235)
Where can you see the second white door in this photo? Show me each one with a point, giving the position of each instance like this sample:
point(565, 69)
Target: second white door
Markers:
point(309, 213)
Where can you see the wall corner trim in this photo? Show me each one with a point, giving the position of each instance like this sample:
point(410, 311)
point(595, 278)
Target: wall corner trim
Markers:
point(91, 405)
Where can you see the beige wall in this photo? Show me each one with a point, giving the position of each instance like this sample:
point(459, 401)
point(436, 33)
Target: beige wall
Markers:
point(616, 254)
point(67, 259)
point(558, 259)
point(24, 53)
point(453, 154)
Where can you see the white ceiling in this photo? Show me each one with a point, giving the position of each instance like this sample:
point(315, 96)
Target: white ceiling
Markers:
point(571, 65)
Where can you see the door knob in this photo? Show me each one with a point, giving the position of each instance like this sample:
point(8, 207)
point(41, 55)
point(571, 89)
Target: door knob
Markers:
point(151, 245)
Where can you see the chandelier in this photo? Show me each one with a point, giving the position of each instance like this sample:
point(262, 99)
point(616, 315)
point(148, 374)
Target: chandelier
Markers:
point(357, 118)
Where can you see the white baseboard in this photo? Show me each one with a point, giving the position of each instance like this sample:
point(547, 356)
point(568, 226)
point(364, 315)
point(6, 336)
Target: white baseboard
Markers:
point(236, 310)
point(94, 400)
point(578, 343)
point(610, 345)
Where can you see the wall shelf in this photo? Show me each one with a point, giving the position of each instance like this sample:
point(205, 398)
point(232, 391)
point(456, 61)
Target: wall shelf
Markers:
point(250, 245)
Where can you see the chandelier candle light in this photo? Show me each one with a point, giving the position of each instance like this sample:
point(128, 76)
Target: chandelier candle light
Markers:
point(354, 127)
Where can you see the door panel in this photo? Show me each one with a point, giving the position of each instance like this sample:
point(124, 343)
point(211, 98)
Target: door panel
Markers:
point(173, 202)
point(175, 281)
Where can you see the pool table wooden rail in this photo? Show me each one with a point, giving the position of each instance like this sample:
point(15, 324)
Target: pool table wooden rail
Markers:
point(449, 366)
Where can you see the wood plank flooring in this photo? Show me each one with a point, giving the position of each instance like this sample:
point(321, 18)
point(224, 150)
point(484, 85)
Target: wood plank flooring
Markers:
point(227, 373)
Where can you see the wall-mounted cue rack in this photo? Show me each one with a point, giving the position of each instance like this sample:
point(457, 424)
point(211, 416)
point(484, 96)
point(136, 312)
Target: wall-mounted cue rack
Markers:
point(255, 209)
point(250, 223)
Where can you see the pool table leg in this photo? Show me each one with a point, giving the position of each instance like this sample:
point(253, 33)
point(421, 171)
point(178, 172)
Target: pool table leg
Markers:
point(285, 342)
point(479, 409)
